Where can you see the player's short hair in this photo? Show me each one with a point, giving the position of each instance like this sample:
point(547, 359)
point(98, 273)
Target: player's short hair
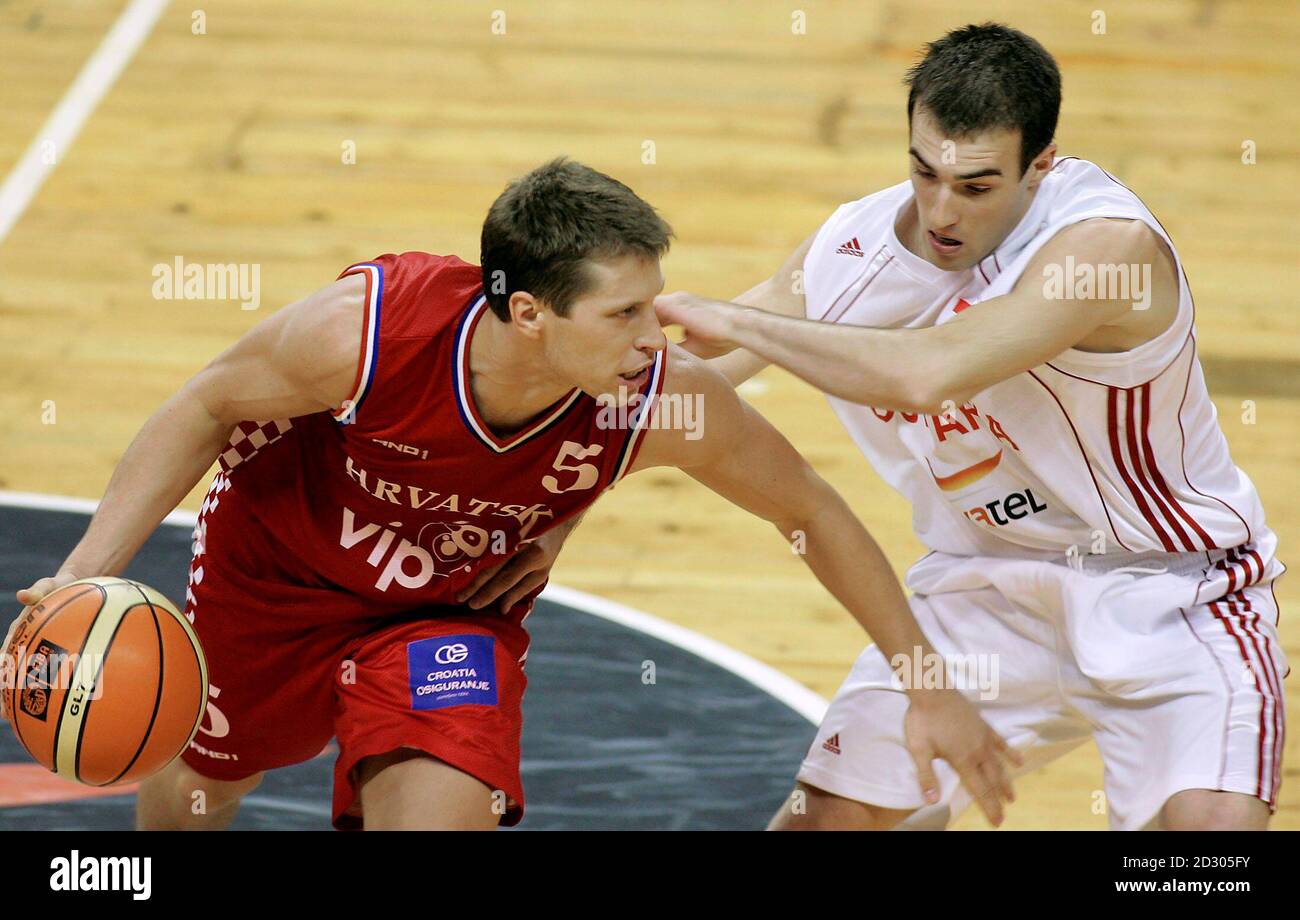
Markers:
point(989, 76)
point(542, 228)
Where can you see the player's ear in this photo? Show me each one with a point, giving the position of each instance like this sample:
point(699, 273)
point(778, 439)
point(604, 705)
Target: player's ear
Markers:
point(526, 313)
point(1041, 165)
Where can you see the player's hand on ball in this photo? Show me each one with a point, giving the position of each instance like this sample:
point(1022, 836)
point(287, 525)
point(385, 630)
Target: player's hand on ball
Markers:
point(30, 597)
point(707, 322)
point(943, 724)
point(514, 578)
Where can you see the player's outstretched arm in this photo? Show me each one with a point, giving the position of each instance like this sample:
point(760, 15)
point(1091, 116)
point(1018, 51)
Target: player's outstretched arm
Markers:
point(922, 370)
point(745, 460)
point(301, 359)
point(781, 294)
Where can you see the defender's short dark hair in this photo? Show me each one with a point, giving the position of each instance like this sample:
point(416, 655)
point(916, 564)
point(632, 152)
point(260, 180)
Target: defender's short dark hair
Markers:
point(989, 76)
point(542, 228)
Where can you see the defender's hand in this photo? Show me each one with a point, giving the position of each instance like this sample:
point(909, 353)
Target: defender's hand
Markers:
point(708, 323)
point(944, 724)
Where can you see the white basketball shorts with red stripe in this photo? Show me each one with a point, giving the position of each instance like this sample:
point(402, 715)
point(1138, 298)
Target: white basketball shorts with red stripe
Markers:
point(1170, 663)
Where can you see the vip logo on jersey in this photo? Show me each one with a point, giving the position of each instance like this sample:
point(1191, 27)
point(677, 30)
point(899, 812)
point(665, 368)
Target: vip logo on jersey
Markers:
point(851, 248)
point(439, 549)
point(452, 671)
point(459, 541)
point(1015, 506)
point(396, 570)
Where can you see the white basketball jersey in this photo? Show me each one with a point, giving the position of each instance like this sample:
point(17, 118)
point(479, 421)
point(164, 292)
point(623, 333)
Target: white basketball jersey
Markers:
point(1113, 453)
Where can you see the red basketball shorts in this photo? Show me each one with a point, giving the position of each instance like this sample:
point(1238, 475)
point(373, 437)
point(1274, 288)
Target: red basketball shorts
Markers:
point(292, 666)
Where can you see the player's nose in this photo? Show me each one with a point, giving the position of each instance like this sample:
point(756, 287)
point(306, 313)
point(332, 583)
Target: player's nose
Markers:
point(650, 336)
point(943, 216)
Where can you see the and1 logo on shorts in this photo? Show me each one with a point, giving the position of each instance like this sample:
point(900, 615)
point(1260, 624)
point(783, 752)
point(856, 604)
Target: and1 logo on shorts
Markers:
point(452, 670)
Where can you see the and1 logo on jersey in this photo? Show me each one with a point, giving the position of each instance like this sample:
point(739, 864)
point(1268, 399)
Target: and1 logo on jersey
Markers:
point(452, 670)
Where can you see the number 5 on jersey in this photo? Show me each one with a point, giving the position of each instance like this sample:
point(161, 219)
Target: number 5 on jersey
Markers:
point(587, 474)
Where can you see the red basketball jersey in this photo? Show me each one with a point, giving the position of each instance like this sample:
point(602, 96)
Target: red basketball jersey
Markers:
point(401, 494)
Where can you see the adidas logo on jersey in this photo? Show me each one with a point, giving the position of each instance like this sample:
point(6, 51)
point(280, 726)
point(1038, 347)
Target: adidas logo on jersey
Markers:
point(832, 743)
point(851, 248)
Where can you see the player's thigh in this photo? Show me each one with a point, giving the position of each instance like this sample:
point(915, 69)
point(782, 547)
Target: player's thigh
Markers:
point(1210, 719)
point(1211, 810)
point(407, 789)
point(273, 649)
point(449, 686)
point(1002, 659)
point(811, 809)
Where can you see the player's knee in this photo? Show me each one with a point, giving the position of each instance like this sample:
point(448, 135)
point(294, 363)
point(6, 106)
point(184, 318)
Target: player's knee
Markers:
point(1211, 810)
point(218, 793)
point(408, 789)
point(178, 795)
point(811, 809)
point(368, 768)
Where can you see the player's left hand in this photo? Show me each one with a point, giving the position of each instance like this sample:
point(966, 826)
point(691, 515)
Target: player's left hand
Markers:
point(707, 322)
point(511, 580)
point(944, 724)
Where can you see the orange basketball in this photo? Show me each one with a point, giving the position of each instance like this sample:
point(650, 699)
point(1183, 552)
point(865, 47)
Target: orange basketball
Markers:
point(106, 681)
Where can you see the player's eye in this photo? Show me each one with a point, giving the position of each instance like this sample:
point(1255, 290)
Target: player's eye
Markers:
point(629, 311)
point(978, 189)
point(922, 173)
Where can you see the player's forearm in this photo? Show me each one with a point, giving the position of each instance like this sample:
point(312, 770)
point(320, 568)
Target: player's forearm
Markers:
point(851, 565)
point(739, 365)
point(169, 454)
point(888, 368)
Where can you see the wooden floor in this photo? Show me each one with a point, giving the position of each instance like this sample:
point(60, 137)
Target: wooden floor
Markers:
point(228, 147)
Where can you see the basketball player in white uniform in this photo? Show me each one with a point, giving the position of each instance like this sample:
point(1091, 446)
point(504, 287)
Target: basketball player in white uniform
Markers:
point(1008, 337)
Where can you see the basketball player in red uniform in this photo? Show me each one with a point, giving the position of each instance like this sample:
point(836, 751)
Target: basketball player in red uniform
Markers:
point(414, 440)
